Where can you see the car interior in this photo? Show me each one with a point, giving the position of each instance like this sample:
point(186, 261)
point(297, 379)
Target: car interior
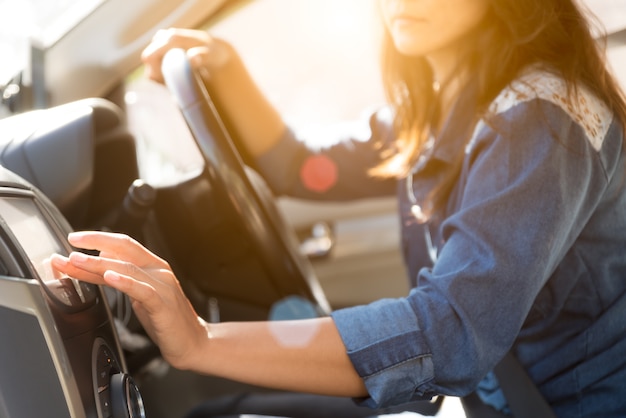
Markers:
point(87, 142)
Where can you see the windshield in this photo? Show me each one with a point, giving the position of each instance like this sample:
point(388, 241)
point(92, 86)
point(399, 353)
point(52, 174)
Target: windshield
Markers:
point(36, 22)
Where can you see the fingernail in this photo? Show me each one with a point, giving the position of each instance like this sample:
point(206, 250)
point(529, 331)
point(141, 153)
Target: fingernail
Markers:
point(58, 259)
point(111, 276)
point(78, 257)
point(75, 236)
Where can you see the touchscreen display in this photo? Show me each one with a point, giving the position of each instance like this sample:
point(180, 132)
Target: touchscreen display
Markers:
point(39, 242)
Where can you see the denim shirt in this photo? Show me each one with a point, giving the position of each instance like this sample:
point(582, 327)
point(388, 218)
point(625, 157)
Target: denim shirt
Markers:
point(530, 255)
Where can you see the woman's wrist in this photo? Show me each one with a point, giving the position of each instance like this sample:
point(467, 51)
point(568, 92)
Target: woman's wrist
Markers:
point(194, 357)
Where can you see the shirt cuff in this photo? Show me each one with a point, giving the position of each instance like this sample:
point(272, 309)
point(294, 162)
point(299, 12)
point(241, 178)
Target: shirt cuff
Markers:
point(388, 350)
point(280, 165)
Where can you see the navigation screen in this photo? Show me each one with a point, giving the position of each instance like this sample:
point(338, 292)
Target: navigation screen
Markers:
point(39, 242)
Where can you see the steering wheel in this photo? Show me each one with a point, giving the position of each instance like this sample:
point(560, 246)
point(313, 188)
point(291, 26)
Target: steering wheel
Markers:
point(241, 189)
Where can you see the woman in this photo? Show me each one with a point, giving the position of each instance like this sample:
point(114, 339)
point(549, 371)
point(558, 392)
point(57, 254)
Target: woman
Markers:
point(506, 153)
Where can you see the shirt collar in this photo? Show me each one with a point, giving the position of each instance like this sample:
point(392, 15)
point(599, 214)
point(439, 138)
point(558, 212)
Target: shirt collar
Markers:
point(456, 128)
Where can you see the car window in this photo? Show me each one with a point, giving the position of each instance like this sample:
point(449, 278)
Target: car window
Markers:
point(317, 60)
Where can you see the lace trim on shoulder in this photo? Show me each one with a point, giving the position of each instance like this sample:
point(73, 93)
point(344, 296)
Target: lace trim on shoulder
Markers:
point(588, 111)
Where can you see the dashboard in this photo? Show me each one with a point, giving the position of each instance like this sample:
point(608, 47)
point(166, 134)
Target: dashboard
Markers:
point(60, 355)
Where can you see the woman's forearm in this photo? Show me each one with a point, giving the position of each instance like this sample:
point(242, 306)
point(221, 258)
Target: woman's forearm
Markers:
point(256, 121)
point(304, 355)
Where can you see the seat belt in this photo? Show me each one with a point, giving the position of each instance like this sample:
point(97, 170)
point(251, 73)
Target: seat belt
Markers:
point(521, 393)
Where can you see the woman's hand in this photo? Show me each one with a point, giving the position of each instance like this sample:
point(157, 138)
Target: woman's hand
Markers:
point(156, 295)
point(206, 53)
point(253, 118)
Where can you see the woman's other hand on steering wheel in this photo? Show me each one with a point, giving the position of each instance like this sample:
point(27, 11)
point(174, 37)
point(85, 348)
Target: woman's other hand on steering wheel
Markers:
point(252, 117)
point(205, 52)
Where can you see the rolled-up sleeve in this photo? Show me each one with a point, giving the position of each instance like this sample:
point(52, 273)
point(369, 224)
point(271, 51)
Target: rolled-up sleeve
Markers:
point(336, 172)
point(389, 351)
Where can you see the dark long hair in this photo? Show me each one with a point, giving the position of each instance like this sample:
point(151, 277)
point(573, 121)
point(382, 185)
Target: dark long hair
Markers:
point(556, 34)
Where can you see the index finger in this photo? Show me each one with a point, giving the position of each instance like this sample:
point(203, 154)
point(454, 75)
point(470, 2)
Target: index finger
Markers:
point(117, 246)
point(63, 265)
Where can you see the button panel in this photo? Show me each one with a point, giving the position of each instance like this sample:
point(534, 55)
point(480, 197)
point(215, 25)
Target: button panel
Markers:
point(105, 365)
